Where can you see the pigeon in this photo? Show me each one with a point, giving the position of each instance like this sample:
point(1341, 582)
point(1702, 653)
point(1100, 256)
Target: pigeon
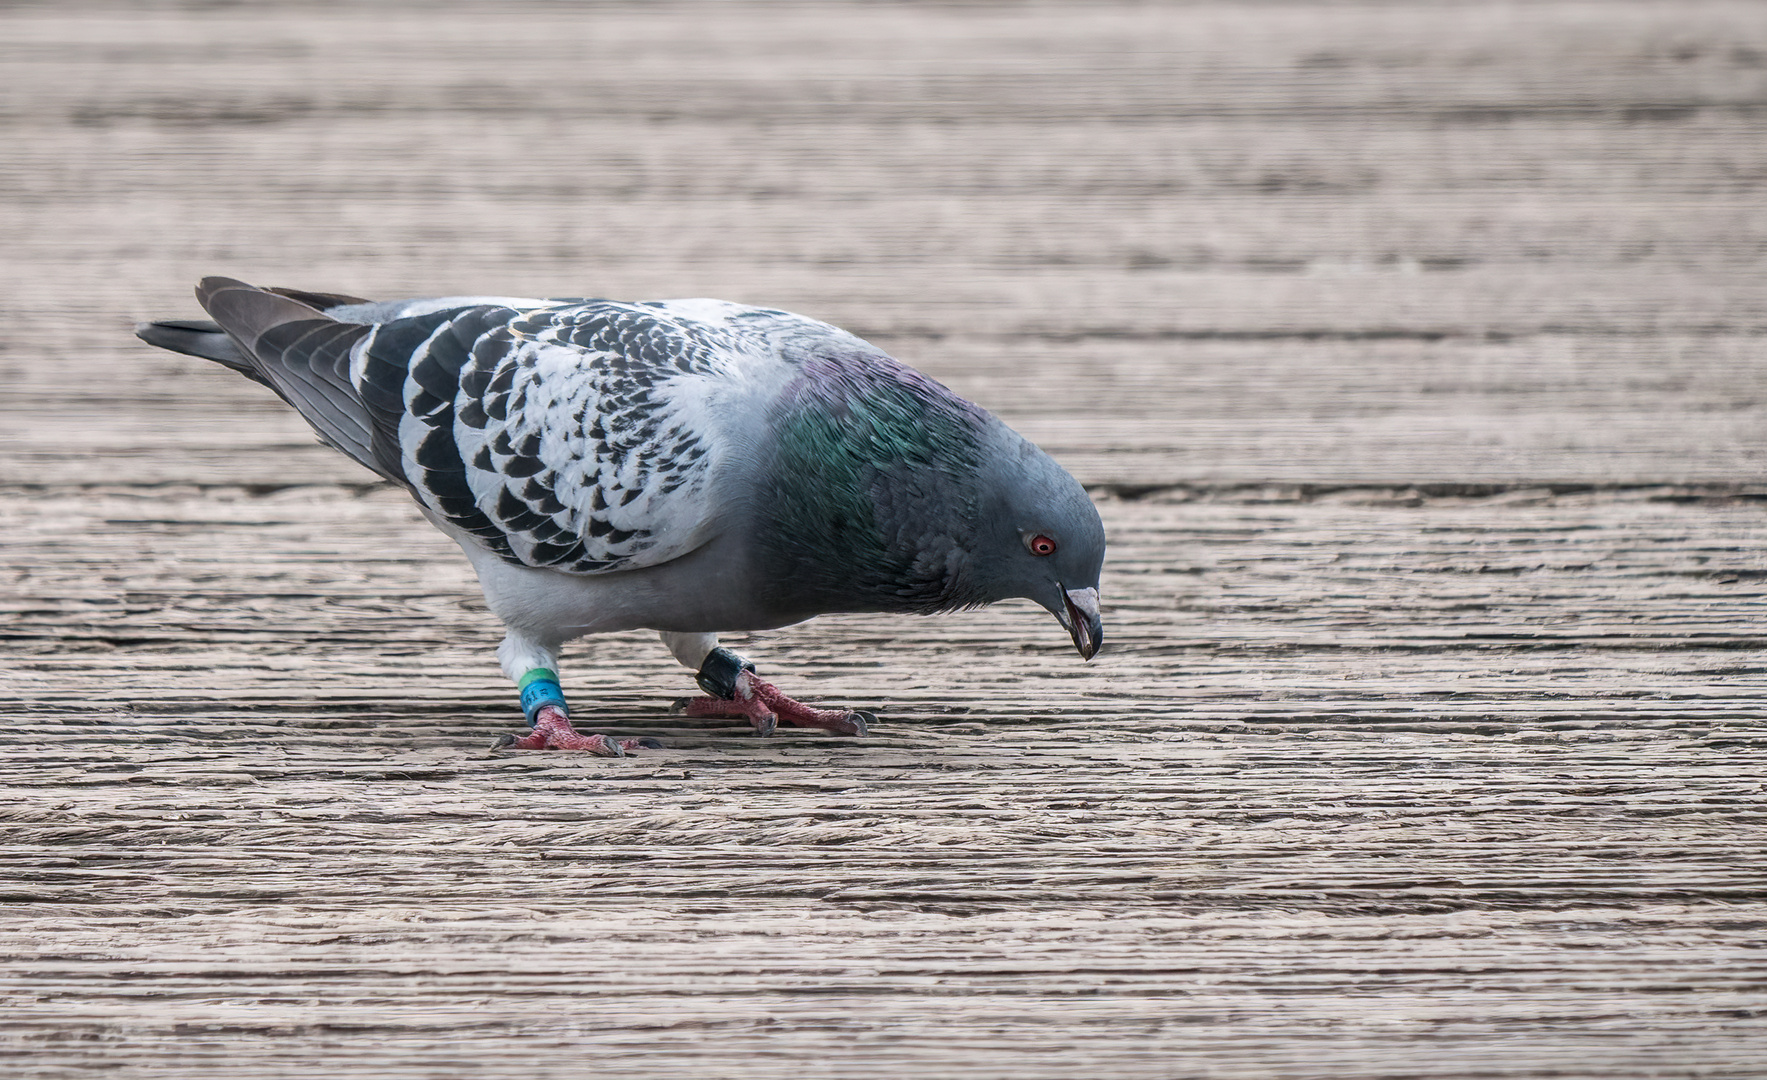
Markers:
point(690, 467)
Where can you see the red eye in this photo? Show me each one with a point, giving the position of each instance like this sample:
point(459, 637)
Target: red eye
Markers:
point(1041, 545)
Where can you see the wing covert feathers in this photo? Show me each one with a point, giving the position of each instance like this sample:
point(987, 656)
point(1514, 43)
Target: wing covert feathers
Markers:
point(568, 436)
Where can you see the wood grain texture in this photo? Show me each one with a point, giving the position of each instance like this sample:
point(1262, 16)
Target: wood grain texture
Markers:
point(1413, 353)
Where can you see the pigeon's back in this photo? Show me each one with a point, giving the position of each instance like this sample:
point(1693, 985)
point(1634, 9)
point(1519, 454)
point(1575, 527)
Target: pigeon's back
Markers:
point(584, 436)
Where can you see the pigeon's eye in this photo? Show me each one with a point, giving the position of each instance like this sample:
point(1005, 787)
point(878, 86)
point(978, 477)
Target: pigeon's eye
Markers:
point(1041, 545)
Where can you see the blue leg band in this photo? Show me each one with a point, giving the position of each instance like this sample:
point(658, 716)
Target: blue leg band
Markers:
point(539, 689)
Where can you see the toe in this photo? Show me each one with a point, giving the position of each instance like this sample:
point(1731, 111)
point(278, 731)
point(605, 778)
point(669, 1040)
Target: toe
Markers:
point(709, 707)
point(599, 745)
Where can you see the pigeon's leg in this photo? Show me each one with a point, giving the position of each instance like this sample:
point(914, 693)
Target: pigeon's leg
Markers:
point(536, 675)
point(736, 691)
point(718, 669)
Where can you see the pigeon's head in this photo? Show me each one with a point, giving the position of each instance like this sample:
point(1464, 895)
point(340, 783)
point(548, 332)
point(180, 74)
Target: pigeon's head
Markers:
point(1043, 541)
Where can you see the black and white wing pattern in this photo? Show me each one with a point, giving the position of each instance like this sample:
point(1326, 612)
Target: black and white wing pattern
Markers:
point(573, 436)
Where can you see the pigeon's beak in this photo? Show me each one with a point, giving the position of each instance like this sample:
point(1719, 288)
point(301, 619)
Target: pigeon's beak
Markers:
point(1080, 616)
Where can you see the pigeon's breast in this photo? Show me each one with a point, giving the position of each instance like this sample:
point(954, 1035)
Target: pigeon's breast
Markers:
point(869, 490)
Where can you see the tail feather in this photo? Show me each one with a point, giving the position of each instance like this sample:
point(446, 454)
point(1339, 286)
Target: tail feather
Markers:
point(198, 337)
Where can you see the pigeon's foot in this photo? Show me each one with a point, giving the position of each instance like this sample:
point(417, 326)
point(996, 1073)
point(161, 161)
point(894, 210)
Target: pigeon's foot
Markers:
point(553, 731)
point(764, 706)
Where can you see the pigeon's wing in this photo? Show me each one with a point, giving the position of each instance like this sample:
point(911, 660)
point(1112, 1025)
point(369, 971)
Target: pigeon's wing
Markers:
point(573, 437)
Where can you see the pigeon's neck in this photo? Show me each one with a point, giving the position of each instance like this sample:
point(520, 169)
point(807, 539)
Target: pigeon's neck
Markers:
point(875, 491)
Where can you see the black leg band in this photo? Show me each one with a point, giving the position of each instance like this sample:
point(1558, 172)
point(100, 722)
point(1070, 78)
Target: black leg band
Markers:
point(717, 674)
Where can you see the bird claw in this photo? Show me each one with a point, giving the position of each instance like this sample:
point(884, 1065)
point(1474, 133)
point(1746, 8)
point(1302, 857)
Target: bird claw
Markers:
point(553, 731)
point(762, 704)
point(857, 722)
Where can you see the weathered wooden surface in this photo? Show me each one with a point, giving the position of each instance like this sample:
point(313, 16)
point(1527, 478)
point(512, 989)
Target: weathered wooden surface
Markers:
point(1415, 356)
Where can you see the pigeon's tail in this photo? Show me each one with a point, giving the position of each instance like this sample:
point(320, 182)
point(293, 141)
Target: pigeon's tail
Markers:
point(282, 339)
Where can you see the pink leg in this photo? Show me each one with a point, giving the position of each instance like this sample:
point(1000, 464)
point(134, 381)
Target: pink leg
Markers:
point(553, 731)
point(764, 706)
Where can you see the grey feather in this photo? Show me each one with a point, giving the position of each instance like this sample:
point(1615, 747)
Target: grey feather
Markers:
point(199, 337)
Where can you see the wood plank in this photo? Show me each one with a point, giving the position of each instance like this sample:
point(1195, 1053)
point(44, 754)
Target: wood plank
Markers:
point(1357, 777)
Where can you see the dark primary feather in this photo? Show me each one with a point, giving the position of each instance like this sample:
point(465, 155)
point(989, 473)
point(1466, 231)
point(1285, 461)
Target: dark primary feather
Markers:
point(304, 355)
point(318, 301)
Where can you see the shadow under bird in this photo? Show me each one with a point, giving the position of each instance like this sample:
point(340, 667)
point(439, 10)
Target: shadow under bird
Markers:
point(683, 466)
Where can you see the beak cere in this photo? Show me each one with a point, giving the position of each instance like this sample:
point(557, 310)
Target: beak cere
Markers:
point(1082, 620)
